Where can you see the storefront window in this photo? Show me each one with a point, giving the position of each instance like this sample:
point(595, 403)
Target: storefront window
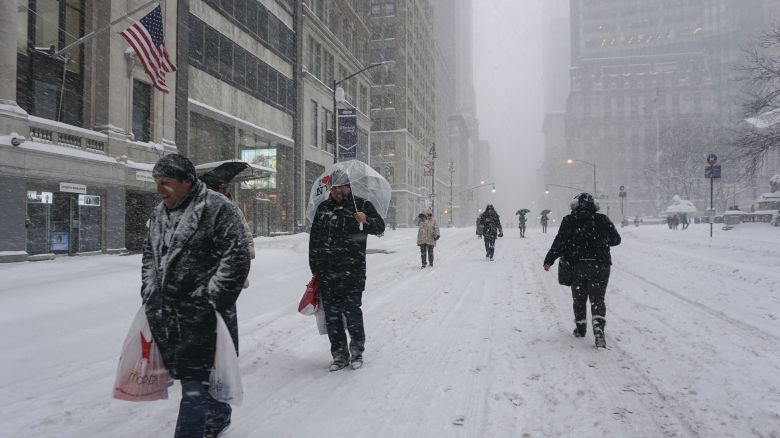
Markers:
point(210, 140)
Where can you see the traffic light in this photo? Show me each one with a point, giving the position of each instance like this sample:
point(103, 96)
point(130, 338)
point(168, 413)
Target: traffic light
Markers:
point(494, 188)
point(546, 191)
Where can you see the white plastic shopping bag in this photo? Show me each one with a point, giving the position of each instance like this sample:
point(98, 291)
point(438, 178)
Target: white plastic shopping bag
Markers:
point(225, 380)
point(320, 317)
point(141, 373)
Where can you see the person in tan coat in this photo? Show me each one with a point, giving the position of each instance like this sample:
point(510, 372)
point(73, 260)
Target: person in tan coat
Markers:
point(427, 235)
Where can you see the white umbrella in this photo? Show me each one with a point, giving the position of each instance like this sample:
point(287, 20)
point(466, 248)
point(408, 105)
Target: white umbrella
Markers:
point(364, 181)
point(681, 206)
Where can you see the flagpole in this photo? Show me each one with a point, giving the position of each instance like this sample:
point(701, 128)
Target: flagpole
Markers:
point(94, 33)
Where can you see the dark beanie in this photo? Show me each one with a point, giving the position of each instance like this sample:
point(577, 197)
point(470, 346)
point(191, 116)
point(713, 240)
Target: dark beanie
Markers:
point(175, 166)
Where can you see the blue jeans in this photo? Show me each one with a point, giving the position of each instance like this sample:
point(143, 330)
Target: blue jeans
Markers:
point(198, 408)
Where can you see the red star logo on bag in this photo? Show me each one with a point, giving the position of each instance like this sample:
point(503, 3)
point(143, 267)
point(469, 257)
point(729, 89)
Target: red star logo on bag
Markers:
point(146, 346)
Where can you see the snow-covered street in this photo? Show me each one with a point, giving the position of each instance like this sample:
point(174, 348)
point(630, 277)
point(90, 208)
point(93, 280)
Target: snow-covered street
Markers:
point(469, 348)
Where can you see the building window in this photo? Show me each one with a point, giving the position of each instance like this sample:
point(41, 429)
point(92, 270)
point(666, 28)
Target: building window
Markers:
point(389, 31)
point(389, 7)
point(389, 123)
point(314, 123)
point(376, 8)
point(142, 111)
point(223, 58)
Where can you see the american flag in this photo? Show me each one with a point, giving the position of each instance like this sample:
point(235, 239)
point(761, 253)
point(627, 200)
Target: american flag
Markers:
point(147, 40)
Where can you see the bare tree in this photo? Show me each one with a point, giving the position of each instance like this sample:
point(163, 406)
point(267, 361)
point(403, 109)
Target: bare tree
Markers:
point(760, 134)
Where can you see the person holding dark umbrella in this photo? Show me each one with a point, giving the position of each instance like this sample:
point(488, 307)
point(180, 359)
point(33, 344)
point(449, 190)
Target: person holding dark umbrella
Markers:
point(218, 180)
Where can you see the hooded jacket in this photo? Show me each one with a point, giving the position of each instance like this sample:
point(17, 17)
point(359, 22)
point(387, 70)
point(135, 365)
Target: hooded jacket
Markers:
point(427, 231)
point(201, 268)
point(337, 245)
point(584, 236)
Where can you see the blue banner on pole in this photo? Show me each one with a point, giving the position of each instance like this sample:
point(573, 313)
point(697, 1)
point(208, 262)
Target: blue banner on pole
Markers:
point(347, 122)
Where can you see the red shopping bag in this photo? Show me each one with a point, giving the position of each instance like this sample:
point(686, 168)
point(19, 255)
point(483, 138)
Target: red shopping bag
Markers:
point(309, 302)
point(141, 373)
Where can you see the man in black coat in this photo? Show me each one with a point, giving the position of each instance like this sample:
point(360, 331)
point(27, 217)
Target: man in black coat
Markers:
point(490, 224)
point(584, 239)
point(337, 256)
point(195, 262)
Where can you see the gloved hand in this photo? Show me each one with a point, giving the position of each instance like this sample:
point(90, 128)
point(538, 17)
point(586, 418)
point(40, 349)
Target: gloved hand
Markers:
point(500, 234)
point(436, 237)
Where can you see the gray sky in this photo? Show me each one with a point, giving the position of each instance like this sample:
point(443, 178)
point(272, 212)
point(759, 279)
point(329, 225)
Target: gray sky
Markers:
point(509, 44)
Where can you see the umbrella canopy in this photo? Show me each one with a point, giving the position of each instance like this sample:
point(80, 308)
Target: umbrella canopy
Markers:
point(223, 173)
point(680, 205)
point(365, 182)
point(523, 211)
point(546, 211)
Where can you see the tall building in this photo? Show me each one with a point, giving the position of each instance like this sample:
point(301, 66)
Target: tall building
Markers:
point(336, 37)
point(403, 97)
point(652, 83)
point(458, 140)
point(241, 100)
point(80, 133)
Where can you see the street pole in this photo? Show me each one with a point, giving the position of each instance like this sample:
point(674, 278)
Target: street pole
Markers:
point(452, 169)
point(335, 127)
point(712, 209)
point(433, 180)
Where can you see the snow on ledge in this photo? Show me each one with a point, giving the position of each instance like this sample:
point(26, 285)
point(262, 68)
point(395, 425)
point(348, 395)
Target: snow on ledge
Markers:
point(211, 109)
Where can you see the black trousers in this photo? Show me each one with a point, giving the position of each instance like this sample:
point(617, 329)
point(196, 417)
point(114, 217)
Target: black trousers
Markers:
point(590, 283)
point(490, 245)
point(342, 308)
point(426, 249)
point(522, 230)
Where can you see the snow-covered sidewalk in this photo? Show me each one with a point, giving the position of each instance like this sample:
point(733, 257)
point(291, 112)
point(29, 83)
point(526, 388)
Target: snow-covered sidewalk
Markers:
point(469, 348)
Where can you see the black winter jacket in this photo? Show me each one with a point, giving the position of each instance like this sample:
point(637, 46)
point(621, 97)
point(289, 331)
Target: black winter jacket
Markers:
point(337, 246)
point(203, 270)
point(584, 236)
point(491, 224)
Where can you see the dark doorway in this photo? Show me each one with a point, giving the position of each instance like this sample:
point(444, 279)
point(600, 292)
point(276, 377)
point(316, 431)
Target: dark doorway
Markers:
point(138, 209)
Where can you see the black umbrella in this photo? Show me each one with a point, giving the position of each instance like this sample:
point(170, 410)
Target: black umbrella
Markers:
point(523, 211)
point(223, 174)
point(545, 212)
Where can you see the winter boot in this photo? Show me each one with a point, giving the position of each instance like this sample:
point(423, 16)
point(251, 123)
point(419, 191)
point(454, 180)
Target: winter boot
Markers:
point(338, 364)
point(214, 432)
point(339, 361)
point(356, 362)
point(598, 331)
point(580, 330)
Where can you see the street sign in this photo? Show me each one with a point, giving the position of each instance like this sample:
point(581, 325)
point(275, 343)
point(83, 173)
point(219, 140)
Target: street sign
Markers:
point(622, 193)
point(712, 171)
point(712, 159)
point(347, 126)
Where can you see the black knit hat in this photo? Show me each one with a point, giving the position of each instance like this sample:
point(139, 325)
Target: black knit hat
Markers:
point(175, 166)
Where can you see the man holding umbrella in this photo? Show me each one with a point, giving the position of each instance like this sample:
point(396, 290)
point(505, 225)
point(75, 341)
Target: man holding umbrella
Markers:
point(340, 227)
point(521, 220)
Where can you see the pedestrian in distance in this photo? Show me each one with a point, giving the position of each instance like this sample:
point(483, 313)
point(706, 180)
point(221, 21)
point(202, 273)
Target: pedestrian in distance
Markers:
point(427, 235)
point(521, 224)
point(489, 224)
point(195, 262)
point(584, 240)
point(337, 256)
point(684, 221)
point(544, 221)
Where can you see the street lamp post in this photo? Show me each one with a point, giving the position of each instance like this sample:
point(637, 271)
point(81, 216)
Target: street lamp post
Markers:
point(433, 180)
point(571, 161)
point(336, 110)
point(449, 219)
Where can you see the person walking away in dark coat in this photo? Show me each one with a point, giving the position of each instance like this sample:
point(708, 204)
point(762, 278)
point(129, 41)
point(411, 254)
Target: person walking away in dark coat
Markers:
point(684, 221)
point(337, 256)
point(544, 221)
point(584, 239)
point(490, 224)
point(521, 223)
point(427, 235)
point(195, 261)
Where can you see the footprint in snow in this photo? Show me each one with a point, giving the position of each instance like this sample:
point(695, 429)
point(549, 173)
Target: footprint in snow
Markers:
point(459, 421)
